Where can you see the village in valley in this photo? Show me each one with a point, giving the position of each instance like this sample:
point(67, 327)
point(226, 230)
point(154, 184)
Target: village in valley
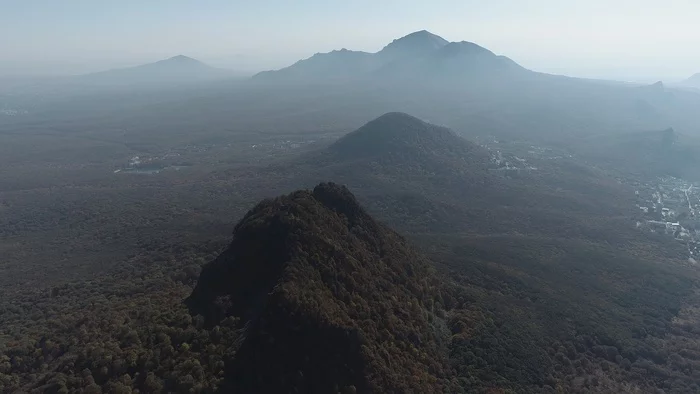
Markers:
point(671, 206)
point(668, 205)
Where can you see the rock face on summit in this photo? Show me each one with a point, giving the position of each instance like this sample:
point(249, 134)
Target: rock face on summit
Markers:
point(332, 301)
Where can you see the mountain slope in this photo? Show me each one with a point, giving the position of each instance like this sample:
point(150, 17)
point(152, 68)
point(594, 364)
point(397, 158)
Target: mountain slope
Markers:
point(466, 56)
point(454, 61)
point(340, 64)
point(177, 69)
point(332, 300)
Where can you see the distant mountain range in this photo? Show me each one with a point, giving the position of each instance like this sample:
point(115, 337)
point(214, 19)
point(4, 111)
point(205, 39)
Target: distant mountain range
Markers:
point(175, 70)
point(459, 83)
point(420, 54)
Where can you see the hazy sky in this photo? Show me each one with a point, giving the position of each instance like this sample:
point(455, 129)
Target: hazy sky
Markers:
point(630, 39)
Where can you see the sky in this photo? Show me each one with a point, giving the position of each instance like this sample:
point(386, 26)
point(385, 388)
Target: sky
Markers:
point(616, 39)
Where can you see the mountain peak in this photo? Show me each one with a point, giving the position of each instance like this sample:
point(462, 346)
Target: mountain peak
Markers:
point(183, 58)
point(305, 273)
point(339, 199)
point(656, 87)
point(180, 60)
point(421, 41)
point(421, 34)
point(398, 117)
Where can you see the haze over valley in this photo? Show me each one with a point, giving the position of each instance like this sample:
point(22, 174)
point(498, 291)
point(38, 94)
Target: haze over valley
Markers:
point(425, 216)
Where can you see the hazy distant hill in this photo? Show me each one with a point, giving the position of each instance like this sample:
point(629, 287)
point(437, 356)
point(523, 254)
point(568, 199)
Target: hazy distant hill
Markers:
point(399, 149)
point(693, 81)
point(175, 70)
point(175, 79)
point(332, 301)
point(398, 138)
point(418, 54)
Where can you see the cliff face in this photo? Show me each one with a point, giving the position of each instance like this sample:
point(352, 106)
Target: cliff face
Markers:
point(332, 301)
